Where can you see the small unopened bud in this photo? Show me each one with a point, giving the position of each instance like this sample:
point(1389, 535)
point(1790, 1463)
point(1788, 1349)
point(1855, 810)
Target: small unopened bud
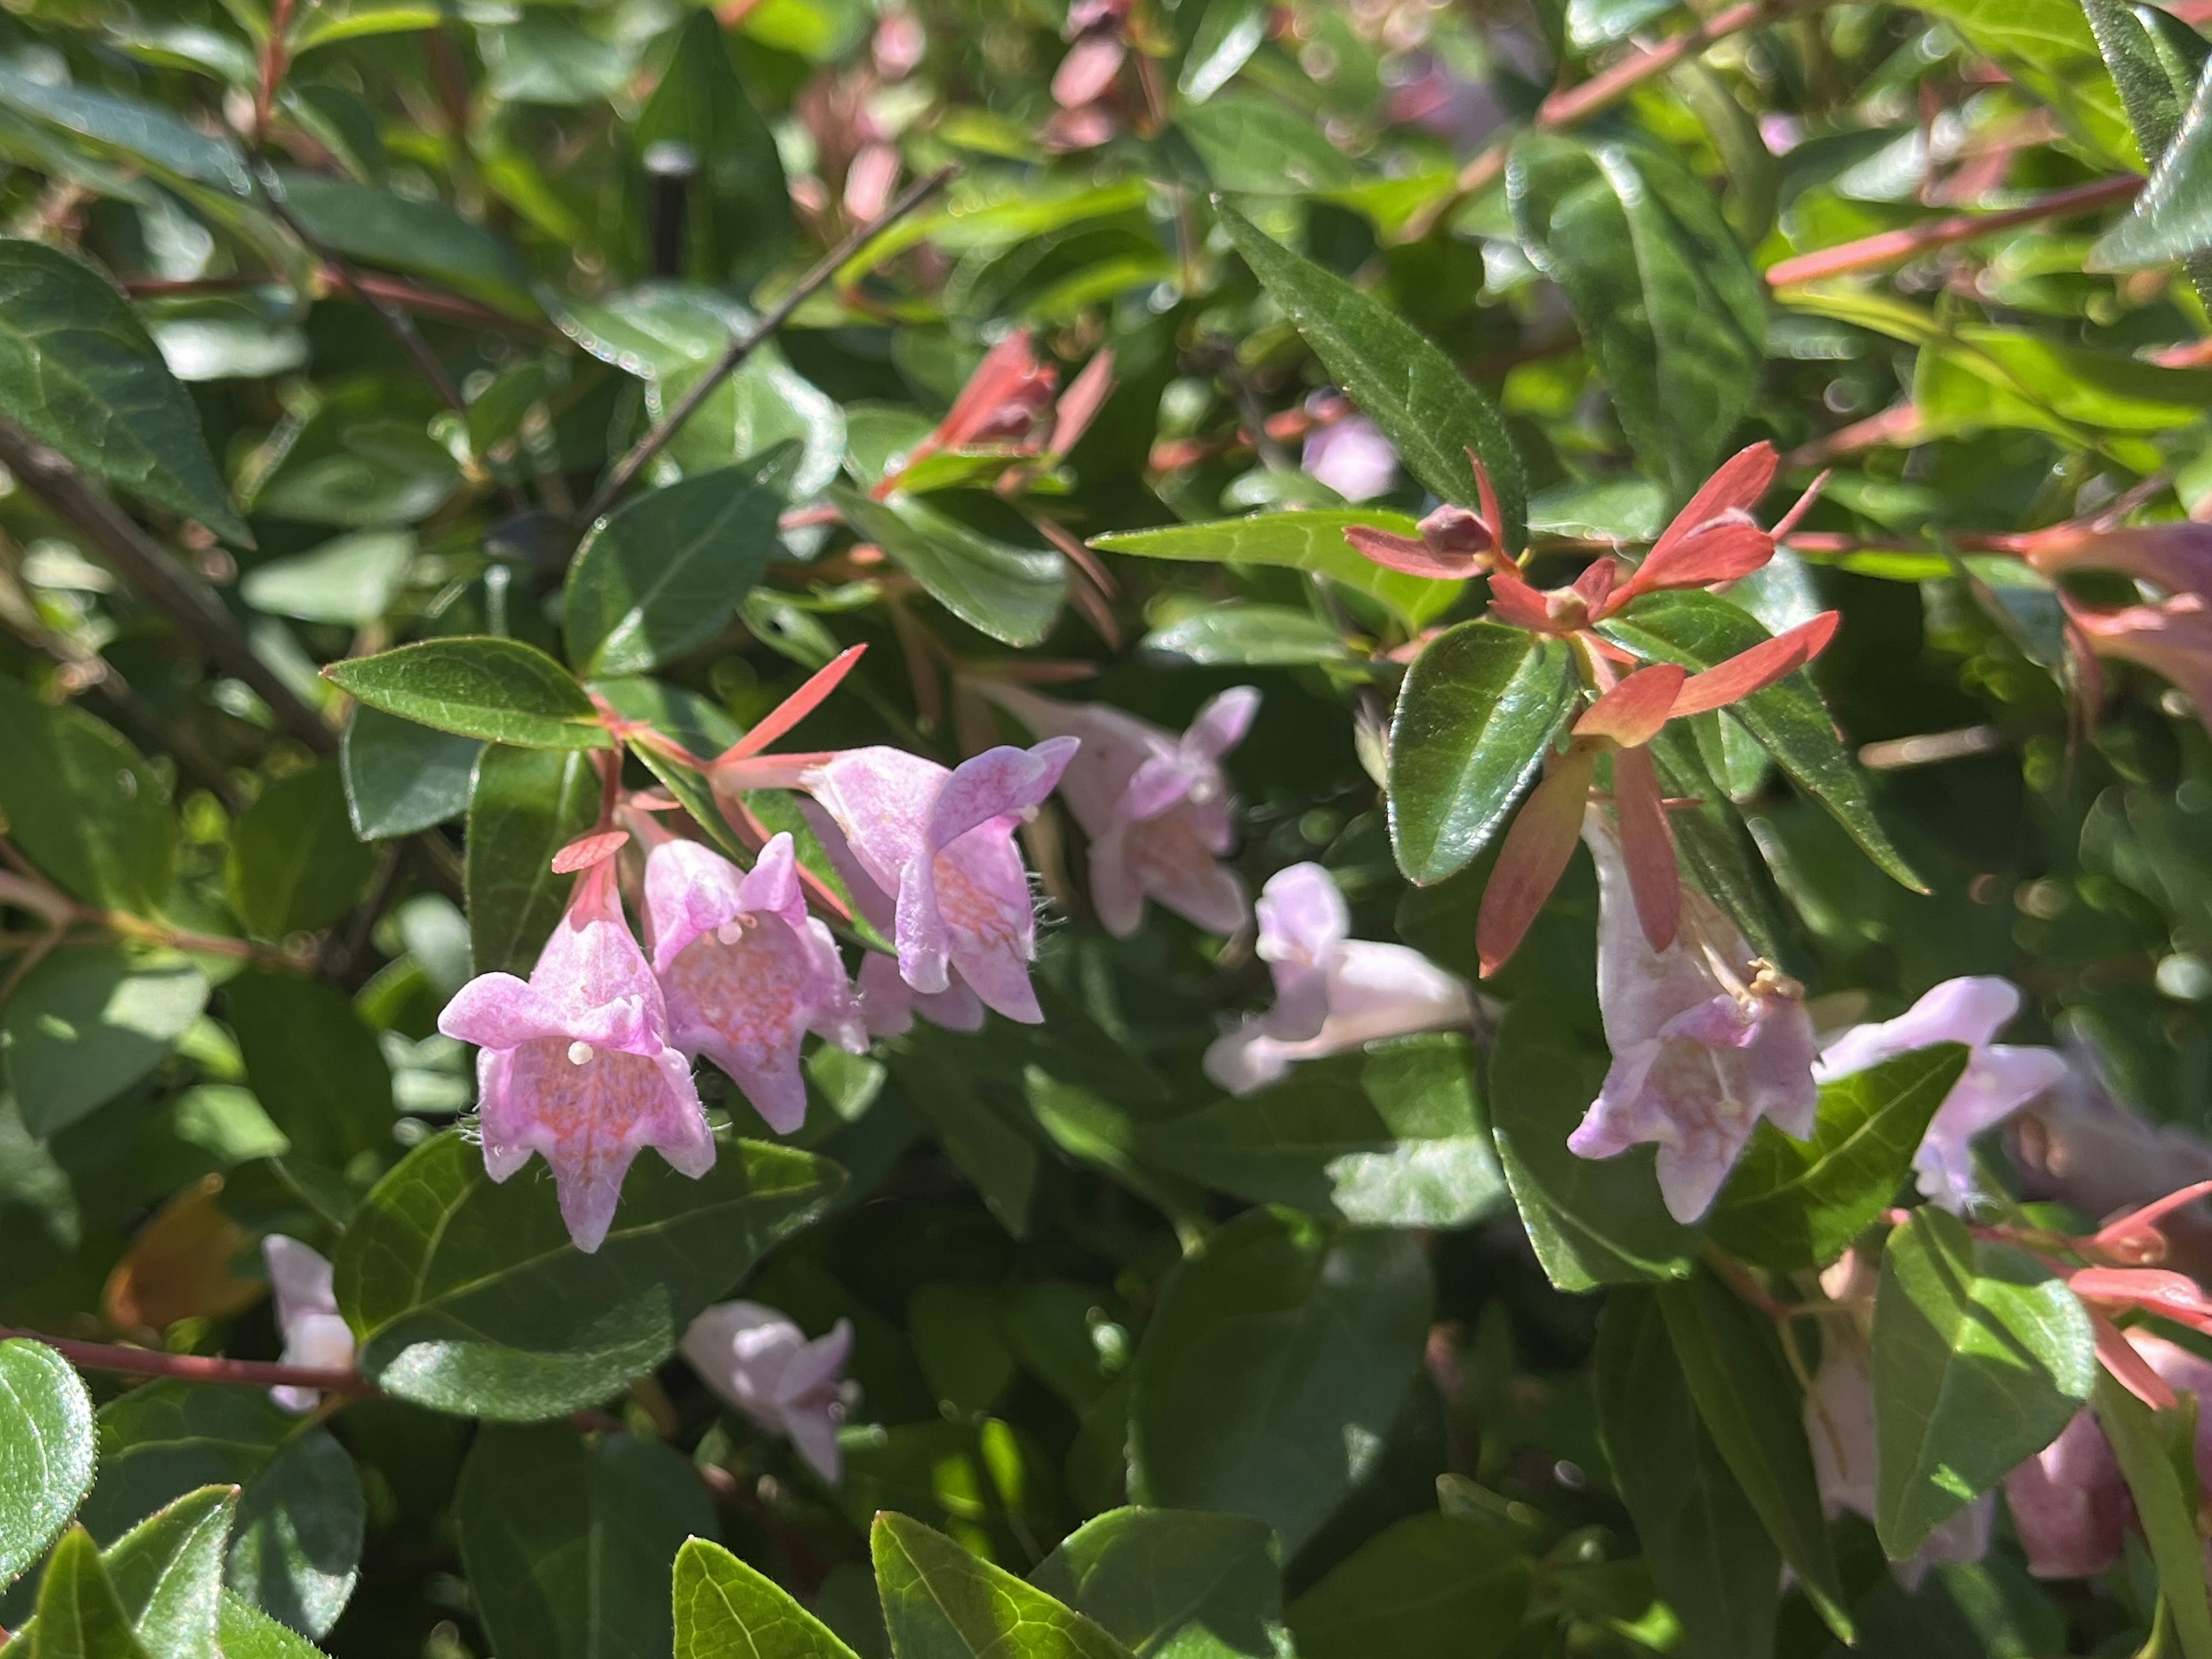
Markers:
point(1453, 529)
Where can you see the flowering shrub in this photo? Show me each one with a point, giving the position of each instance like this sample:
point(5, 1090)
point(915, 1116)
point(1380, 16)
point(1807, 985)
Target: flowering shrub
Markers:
point(1187, 829)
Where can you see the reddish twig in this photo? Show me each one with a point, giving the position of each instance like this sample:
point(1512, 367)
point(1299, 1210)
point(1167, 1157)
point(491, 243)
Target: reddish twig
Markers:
point(1894, 247)
point(196, 1368)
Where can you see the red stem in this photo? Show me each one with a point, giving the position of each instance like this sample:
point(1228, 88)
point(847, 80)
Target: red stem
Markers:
point(196, 1368)
point(1893, 247)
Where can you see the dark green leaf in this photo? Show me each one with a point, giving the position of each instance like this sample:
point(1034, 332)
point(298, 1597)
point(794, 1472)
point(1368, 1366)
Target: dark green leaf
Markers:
point(570, 1545)
point(470, 1297)
point(727, 1610)
point(1431, 1587)
point(1391, 1136)
point(246, 1632)
point(91, 1020)
point(314, 1066)
point(83, 805)
point(1708, 1551)
point(2173, 217)
point(2156, 59)
point(1428, 409)
point(479, 687)
point(1012, 593)
point(401, 777)
point(740, 213)
point(1260, 147)
point(937, 1070)
point(1795, 1203)
point(294, 863)
point(1666, 297)
point(1272, 1368)
point(666, 570)
point(1750, 1404)
point(526, 805)
point(45, 1451)
point(404, 233)
point(296, 1551)
point(2163, 1506)
point(167, 1574)
point(79, 1616)
point(1173, 1583)
point(941, 1602)
point(1308, 541)
point(2047, 46)
point(1980, 1357)
point(132, 129)
point(1479, 709)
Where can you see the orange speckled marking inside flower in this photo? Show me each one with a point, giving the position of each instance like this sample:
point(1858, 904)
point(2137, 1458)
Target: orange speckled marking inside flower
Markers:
point(974, 910)
point(752, 993)
point(589, 1112)
point(1161, 849)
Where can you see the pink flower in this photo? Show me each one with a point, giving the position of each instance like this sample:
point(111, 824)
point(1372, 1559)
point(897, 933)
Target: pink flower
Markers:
point(2172, 638)
point(2174, 557)
point(306, 1316)
point(762, 1363)
point(943, 843)
point(746, 972)
point(1706, 1037)
point(1155, 805)
point(577, 1064)
point(1352, 457)
point(1332, 992)
point(1997, 1082)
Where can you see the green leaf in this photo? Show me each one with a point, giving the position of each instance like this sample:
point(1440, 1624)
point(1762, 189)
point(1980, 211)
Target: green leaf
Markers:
point(78, 371)
point(1750, 1406)
point(132, 129)
point(326, 22)
point(1258, 147)
point(1173, 1583)
point(479, 686)
point(1593, 1221)
point(294, 864)
point(665, 571)
point(2048, 47)
point(727, 1610)
point(315, 1068)
point(84, 807)
point(1012, 593)
point(1308, 541)
point(167, 1574)
point(349, 582)
point(1699, 630)
point(404, 233)
point(1667, 300)
point(296, 1551)
point(1249, 636)
point(45, 1451)
point(1431, 412)
point(1479, 709)
point(2164, 1507)
point(1272, 1368)
point(1391, 1136)
point(470, 1297)
point(1708, 1551)
point(1431, 1587)
point(91, 1020)
point(2156, 59)
point(1981, 1356)
point(937, 1070)
point(2173, 216)
point(941, 1602)
point(246, 1632)
point(526, 805)
point(1229, 31)
point(740, 217)
point(1795, 1204)
point(569, 1544)
point(401, 777)
point(79, 1616)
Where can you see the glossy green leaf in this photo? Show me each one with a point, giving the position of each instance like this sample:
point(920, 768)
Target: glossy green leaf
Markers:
point(941, 1602)
point(1012, 593)
point(2156, 59)
point(665, 571)
point(1666, 295)
point(1173, 1583)
point(167, 1574)
point(326, 22)
point(470, 1297)
point(1479, 709)
point(1699, 630)
point(1795, 1204)
point(479, 686)
point(2173, 215)
point(401, 777)
point(1431, 1587)
point(1309, 541)
point(725, 1610)
point(1981, 1356)
point(1391, 1136)
point(2048, 47)
point(83, 805)
point(1592, 1221)
point(79, 1615)
point(314, 1066)
point(1272, 1368)
point(1708, 1551)
point(296, 864)
point(1229, 31)
point(404, 233)
point(570, 1545)
point(47, 1451)
point(89, 1021)
point(527, 805)
point(132, 129)
point(740, 213)
point(246, 1632)
point(1249, 636)
point(1429, 410)
point(2163, 1506)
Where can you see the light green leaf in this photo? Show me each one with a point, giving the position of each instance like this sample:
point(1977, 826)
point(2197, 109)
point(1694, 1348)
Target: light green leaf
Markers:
point(1229, 31)
point(1012, 593)
point(1249, 636)
point(45, 1451)
point(1429, 1587)
point(91, 1020)
point(2163, 1506)
point(246, 1632)
point(1173, 1583)
point(349, 582)
point(79, 1616)
point(941, 1602)
point(133, 130)
point(727, 1610)
point(167, 1573)
point(2048, 47)
point(479, 686)
point(1309, 541)
point(326, 22)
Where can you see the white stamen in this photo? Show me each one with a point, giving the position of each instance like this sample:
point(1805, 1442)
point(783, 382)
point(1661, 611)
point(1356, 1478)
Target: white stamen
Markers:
point(730, 933)
point(580, 1054)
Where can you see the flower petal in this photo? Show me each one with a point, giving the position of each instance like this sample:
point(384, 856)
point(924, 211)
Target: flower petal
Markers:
point(1757, 668)
point(1534, 856)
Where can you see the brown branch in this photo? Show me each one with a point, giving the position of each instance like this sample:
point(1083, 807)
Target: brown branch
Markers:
point(1894, 247)
point(154, 571)
point(745, 344)
point(196, 1368)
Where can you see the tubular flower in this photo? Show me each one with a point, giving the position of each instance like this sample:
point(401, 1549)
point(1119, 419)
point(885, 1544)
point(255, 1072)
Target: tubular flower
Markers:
point(2175, 557)
point(1997, 1082)
point(306, 1316)
point(1706, 1038)
point(1332, 992)
point(577, 1062)
point(2172, 638)
point(761, 1363)
point(746, 972)
point(1155, 805)
point(1352, 457)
